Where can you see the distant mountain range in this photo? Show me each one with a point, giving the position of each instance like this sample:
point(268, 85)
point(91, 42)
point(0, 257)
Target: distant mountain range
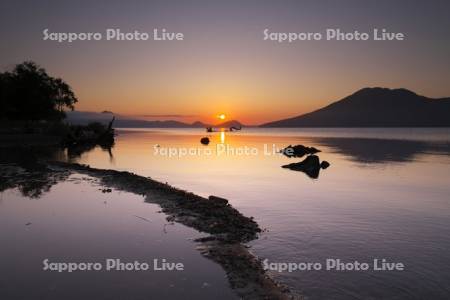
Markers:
point(84, 117)
point(376, 107)
point(368, 107)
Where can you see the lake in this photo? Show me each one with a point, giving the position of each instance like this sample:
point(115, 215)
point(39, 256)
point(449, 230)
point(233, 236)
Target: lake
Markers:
point(384, 196)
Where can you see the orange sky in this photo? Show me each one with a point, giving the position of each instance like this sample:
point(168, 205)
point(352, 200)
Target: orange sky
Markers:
point(223, 65)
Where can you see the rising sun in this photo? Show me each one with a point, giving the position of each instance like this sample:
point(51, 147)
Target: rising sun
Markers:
point(221, 116)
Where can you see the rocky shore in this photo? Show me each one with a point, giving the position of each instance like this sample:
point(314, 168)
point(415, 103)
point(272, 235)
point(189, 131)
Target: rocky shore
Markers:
point(34, 173)
point(228, 229)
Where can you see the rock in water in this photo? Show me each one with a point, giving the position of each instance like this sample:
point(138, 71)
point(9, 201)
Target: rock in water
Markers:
point(324, 164)
point(310, 166)
point(298, 151)
point(204, 140)
point(218, 200)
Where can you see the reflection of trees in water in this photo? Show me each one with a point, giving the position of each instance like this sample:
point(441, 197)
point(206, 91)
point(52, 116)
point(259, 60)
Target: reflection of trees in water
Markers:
point(368, 150)
point(30, 184)
point(75, 152)
point(24, 168)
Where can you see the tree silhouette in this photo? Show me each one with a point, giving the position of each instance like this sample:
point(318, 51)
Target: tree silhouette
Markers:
point(29, 93)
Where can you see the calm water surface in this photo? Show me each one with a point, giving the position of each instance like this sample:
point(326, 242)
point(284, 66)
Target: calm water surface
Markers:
point(76, 222)
point(385, 195)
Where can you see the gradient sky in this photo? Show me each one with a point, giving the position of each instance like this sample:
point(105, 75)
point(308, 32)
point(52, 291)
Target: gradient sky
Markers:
point(223, 65)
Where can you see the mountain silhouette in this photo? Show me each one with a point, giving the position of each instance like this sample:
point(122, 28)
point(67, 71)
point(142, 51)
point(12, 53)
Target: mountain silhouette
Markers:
point(231, 123)
point(131, 123)
point(199, 124)
point(376, 107)
point(85, 117)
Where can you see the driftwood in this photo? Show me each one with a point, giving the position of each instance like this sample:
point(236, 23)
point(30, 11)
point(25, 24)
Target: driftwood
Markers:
point(90, 135)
